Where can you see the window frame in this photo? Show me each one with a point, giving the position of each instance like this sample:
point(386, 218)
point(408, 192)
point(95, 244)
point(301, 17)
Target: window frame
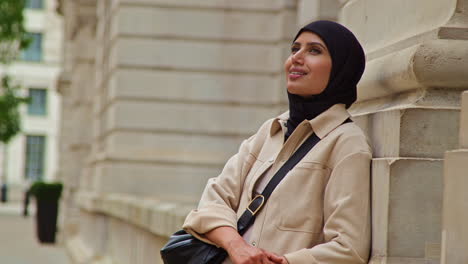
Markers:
point(28, 55)
point(41, 164)
point(44, 106)
point(28, 4)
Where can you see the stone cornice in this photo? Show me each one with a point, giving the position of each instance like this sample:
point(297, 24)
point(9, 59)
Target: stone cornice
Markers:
point(438, 63)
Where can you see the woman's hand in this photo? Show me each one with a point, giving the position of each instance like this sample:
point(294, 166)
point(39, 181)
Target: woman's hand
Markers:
point(239, 251)
point(242, 253)
point(277, 259)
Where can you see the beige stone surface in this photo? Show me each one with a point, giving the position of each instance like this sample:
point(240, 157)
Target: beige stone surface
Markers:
point(170, 147)
point(407, 201)
point(195, 55)
point(455, 208)
point(170, 181)
point(425, 132)
point(464, 122)
point(259, 5)
point(208, 24)
point(193, 118)
point(437, 63)
point(376, 27)
point(196, 87)
point(312, 10)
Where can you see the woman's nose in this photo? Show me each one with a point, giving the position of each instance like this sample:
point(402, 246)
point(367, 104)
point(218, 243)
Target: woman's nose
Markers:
point(298, 57)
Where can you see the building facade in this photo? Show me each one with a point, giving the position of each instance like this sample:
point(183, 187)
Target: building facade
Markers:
point(158, 94)
point(32, 154)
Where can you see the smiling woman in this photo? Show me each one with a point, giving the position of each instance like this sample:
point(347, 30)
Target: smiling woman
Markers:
point(319, 212)
point(309, 65)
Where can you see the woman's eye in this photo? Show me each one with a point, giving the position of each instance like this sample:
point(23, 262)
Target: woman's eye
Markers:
point(315, 51)
point(294, 50)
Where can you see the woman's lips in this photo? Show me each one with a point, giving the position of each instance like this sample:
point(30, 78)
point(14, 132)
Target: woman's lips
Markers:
point(296, 75)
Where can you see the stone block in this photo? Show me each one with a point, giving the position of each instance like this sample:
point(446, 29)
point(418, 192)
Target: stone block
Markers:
point(170, 148)
point(464, 121)
point(406, 208)
point(428, 133)
point(368, 19)
point(205, 24)
point(196, 87)
point(413, 132)
point(172, 182)
point(258, 5)
point(455, 208)
point(188, 118)
point(195, 56)
point(312, 10)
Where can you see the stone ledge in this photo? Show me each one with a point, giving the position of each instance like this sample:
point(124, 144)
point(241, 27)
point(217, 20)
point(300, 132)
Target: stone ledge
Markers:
point(80, 254)
point(159, 217)
point(437, 63)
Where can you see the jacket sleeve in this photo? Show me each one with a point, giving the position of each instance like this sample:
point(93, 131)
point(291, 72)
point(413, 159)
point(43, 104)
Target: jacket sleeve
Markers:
point(346, 216)
point(220, 199)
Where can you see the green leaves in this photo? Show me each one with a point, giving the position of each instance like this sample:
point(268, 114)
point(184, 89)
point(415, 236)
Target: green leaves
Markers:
point(10, 120)
point(13, 36)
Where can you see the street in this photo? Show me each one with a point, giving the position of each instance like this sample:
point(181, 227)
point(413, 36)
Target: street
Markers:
point(18, 243)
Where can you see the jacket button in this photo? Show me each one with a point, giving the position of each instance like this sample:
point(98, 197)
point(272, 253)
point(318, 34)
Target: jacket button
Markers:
point(254, 244)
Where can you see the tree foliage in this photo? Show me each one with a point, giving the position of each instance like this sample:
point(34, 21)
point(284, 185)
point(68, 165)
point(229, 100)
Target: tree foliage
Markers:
point(13, 36)
point(10, 122)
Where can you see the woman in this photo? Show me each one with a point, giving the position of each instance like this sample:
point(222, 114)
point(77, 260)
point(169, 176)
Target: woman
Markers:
point(320, 212)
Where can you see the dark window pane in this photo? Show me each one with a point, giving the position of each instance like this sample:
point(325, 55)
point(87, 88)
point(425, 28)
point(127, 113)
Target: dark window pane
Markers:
point(38, 103)
point(34, 51)
point(36, 4)
point(35, 151)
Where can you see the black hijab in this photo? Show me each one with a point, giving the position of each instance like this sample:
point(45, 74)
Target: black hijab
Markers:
point(348, 62)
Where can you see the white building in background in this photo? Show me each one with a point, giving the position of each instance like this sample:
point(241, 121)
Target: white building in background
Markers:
point(32, 155)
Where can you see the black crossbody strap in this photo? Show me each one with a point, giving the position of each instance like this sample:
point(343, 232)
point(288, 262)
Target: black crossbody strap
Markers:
point(256, 204)
point(248, 217)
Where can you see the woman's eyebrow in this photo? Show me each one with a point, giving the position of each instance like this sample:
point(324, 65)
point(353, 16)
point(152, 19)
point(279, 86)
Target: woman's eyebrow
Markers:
point(316, 43)
point(310, 44)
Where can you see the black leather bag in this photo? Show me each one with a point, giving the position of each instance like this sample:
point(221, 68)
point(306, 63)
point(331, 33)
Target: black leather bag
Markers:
point(184, 248)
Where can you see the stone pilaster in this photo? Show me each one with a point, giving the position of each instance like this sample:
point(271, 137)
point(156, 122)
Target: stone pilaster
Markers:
point(409, 105)
point(455, 197)
point(75, 86)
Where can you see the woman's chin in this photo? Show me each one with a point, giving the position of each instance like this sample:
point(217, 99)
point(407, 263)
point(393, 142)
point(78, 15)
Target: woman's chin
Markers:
point(295, 90)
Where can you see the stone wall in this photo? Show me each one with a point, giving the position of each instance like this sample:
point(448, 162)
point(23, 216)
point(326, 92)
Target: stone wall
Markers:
point(167, 89)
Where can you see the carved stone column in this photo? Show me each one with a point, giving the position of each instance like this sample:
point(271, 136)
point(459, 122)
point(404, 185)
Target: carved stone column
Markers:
point(75, 85)
point(455, 202)
point(408, 102)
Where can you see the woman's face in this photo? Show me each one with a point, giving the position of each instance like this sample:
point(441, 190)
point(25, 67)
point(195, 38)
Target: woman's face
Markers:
point(309, 65)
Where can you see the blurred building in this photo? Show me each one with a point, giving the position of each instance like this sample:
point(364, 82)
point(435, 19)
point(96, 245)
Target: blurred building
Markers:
point(158, 94)
point(32, 154)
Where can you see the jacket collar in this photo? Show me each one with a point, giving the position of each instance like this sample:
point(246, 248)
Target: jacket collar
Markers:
point(321, 125)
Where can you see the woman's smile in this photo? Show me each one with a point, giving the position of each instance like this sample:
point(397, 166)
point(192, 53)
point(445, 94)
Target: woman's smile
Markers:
point(296, 73)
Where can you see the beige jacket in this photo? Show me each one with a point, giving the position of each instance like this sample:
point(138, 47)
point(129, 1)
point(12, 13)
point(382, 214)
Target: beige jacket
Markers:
point(319, 213)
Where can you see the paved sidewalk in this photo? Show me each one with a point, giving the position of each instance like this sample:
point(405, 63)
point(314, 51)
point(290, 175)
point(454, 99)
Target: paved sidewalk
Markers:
point(18, 243)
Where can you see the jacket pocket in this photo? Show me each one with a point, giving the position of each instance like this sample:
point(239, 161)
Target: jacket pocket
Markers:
point(300, 199)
